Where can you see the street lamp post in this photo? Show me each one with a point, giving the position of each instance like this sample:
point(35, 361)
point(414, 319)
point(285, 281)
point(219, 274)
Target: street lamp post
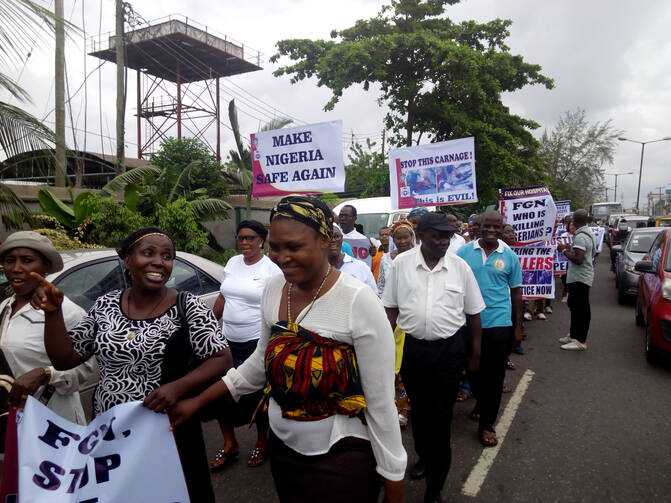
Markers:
point(616, 175)
point(640, 169)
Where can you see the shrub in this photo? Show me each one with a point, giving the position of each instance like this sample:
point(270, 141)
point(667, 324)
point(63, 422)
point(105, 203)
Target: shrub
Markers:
point(62, 241)
point(111, 222)
point(179, 220)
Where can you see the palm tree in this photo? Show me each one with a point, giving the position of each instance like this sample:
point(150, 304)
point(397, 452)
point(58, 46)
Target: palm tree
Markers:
point(19, 131)
point(239, 173)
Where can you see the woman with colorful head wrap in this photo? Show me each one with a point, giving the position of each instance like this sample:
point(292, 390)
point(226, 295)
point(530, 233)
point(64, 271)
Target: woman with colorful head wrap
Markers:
point(332, 427)
point(145, 339)
point(414, 216)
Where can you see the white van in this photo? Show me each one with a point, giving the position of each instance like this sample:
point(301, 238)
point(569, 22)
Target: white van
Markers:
point(374, 213)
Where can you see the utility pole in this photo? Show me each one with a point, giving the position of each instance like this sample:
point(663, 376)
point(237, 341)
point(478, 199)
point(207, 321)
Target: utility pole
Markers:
point(120, 87)
point(384, 132)
point(60, 167)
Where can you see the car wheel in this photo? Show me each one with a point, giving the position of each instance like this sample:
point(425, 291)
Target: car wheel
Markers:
point(617, 280)
point(639, 315)
point(650, 354)
point(621, 296)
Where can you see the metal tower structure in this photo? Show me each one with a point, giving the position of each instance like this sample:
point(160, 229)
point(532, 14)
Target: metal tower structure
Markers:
point(175, 55)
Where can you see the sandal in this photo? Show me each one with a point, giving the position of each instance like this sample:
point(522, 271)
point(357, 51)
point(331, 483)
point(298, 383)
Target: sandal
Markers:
point(510, 365)
point(475, 414)
point(462, 396)
point(256, 458)
point(488, 438)
point(402, 419)
point(223, 459)
point(506, 388)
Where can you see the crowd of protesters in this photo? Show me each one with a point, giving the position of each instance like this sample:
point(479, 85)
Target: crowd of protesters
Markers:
point(328, 356)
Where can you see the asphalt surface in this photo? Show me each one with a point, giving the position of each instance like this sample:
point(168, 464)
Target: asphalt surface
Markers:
point(593, 426)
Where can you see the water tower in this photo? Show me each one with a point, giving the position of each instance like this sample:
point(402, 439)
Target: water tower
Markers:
point(173, 54)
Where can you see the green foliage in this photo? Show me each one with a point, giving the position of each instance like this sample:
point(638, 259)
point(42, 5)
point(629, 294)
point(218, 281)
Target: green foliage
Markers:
point(440, 81)
point(83, 207)
point(111, 222)
point(180, 153)
point(367, 174)
point(574, 154)
point(14, 212)
point(179, 219)
point(220, 258)
point(62, 241)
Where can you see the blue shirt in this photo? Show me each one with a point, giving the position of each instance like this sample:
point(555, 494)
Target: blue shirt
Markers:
point(495, 275)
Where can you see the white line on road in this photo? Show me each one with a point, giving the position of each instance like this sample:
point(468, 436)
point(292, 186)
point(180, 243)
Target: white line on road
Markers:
point(481, 469)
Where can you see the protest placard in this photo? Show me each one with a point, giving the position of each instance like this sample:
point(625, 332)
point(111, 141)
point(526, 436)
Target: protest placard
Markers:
point(537, 271)
point(305, 159)
point(563, 209)
point(434, 174)
point(531, 211)
point(128, 453)
point(560, 261)
point(360, 249)
point(599, 233)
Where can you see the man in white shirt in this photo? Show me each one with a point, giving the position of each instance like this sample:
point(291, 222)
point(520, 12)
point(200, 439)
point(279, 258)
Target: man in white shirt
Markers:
point(434, 297)
point(347, 220)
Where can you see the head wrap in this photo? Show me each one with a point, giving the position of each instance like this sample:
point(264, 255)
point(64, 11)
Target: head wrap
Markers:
point(417, 212)
point(307, 210)
point(253, 225)
point(403, 224)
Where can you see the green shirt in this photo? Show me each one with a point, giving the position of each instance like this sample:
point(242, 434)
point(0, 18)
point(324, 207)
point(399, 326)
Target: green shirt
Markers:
point(583, 239)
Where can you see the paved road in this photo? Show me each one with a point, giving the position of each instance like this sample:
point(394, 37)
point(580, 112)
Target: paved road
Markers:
point(593, 426)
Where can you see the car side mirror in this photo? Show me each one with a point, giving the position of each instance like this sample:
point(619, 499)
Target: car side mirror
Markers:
point(617, 248)
point(644, 266)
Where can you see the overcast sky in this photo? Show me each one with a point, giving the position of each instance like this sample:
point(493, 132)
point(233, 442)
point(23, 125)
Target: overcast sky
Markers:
point(611, 58)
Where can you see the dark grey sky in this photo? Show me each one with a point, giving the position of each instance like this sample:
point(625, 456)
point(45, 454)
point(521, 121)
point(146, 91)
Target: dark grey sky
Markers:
point(609, 57)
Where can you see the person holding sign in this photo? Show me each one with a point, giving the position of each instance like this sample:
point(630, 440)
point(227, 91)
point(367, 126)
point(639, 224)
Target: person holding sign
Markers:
point(145, 339)
point(347, 264)
point(22, 332)
point(499, 275)
point(325, 360)
point(579, 279)
point(432, 295)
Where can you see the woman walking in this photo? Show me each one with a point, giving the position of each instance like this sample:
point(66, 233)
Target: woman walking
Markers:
point(145, 338)
point(326, 360)
point(245, 277)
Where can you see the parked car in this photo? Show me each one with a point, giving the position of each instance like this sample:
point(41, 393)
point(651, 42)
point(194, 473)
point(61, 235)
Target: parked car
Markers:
point(634, 249)
point(660, 221)
point(653, 307)
point(88, 274)
point(618, 235)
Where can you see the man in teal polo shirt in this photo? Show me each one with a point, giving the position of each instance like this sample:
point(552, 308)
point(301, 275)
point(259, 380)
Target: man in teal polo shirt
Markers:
point(499, 276)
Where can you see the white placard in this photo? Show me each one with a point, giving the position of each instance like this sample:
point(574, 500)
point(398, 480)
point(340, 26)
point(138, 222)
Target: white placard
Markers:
point(531, 211)
point(360, 249)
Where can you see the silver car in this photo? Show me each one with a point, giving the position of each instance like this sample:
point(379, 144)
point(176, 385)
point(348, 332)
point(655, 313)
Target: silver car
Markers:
point(634, 248)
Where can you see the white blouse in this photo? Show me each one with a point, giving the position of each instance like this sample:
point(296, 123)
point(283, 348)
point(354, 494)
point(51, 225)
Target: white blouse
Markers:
point(349, 312)
point(22, 342)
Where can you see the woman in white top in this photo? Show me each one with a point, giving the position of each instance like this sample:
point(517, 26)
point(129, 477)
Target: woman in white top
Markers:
point(22, 329)
point(355, 268)
point(334, 430)
point(245, 277)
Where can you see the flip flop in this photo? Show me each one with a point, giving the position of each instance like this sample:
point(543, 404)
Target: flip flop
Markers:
point(488, 438)
point(462, 396)
point(256, 458)
point(474, 415)
point(223, 459)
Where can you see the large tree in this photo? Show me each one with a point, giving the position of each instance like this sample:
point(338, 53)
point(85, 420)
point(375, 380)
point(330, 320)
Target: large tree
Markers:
point(574, 154)
point(367, 175)
point(439, 79)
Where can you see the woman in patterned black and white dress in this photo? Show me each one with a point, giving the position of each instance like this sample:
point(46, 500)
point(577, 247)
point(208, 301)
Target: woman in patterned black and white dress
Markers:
point(144, 346)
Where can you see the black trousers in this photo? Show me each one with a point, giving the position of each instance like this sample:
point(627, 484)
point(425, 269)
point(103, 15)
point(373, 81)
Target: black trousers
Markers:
point(487, 383)
point(581, 315)
point(431, 371)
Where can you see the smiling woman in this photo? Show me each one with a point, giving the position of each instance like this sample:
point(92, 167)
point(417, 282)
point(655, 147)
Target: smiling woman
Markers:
point(145, 339)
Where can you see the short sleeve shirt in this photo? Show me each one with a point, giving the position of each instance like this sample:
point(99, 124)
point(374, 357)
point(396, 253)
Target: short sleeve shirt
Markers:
point(583, 239)
point(495, 274)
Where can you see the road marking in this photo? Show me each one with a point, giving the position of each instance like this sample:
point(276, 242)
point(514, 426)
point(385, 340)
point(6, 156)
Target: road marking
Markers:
point(479, 473)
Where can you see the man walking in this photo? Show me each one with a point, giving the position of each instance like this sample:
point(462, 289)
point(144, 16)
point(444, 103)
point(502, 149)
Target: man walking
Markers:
point(579, 277)
point(433, 296)
point(499, 275)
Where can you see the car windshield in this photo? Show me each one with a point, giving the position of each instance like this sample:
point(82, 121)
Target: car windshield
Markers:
point(372, 222)
point(640, 242)
point(664, 222)
point(667, 259)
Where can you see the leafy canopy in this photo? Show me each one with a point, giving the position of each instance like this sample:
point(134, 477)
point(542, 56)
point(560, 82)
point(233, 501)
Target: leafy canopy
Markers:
point(440, 80)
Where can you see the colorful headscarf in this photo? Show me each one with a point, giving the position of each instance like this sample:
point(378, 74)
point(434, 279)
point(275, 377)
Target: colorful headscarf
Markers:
point(403, 224)
point(417, 212)
point(307, 210)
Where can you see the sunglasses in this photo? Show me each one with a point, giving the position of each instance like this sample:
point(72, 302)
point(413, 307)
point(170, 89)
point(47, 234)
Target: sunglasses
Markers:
point(248, 239)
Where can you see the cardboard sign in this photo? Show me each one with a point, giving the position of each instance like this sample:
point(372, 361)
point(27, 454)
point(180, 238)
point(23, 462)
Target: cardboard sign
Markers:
point(299, 160)
point(126, 454)
point(560, 261)
point(563, 209)
point(434, 174)
point(531, 211)
point(537, 271)
point(599, 233)
point(360, 248)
